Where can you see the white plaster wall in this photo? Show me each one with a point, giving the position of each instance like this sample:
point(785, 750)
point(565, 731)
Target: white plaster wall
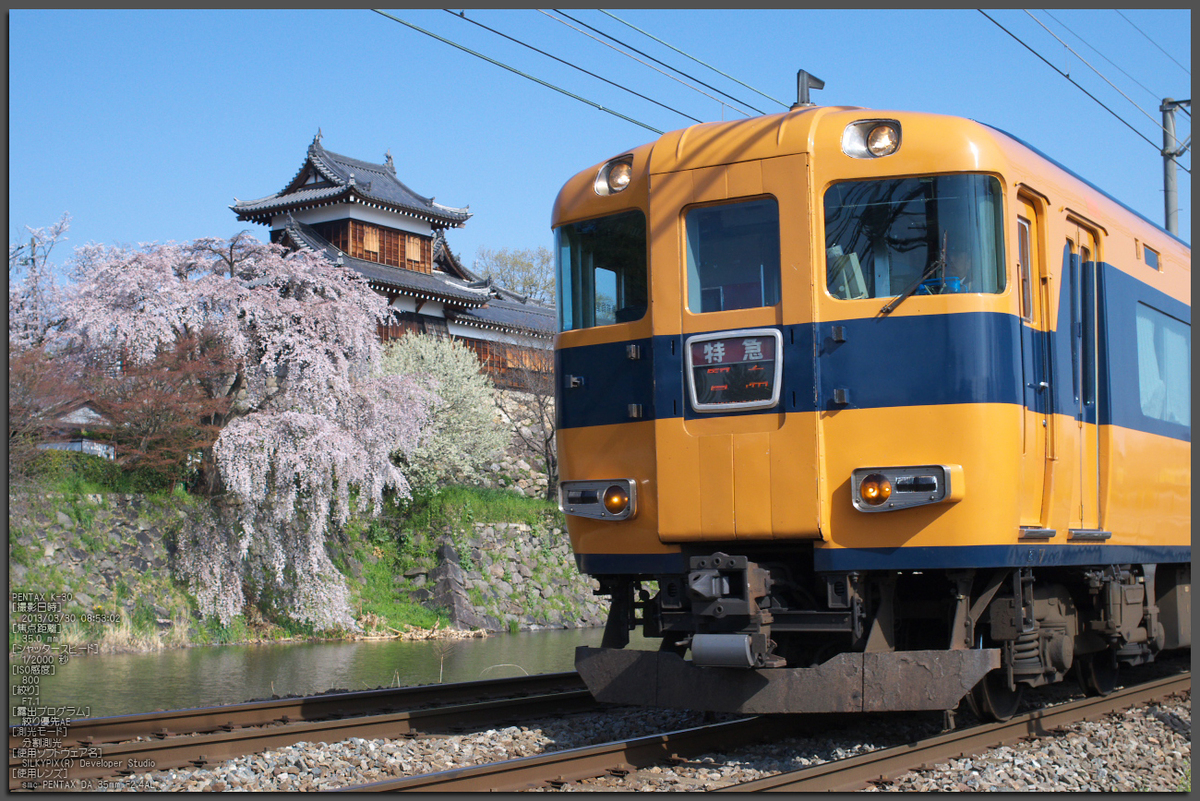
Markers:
point(356, 211)
point(432, 308)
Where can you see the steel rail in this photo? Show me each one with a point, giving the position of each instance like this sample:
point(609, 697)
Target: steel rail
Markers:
point(329, 717)
point(559, 767)
point(857, 772)
point(95, 731)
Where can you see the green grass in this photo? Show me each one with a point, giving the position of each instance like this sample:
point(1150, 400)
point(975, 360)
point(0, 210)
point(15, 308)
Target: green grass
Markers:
point(461, 506)
point(377, 594)
point(20, 554)
point(212, 632)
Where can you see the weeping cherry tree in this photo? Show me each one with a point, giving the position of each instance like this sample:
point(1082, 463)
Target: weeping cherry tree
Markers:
point(306, 438)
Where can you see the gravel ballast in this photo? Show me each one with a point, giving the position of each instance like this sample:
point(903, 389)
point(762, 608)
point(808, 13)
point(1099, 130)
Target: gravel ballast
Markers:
point(1147, 748)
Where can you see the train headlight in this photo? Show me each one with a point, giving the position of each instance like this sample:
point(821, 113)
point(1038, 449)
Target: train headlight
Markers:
point(614, 176)
point(871, 139)
point(887, 489)
point(619, 176)
point(883, 140)
point(612, 499)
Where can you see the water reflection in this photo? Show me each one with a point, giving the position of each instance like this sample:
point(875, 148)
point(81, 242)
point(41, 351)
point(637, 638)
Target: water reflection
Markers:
point(118, 684)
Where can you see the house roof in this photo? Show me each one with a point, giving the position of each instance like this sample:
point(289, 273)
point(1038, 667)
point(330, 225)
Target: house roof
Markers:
point(326, 178)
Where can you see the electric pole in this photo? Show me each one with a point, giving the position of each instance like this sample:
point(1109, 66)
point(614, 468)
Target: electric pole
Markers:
point(1170, 152)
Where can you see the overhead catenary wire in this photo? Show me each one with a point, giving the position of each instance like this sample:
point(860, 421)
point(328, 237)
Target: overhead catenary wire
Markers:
point(693, 58)
point(1149, 91)
point(1093, 69)
point(518, 72)
point(1069, 78)
point(656, 61)
point(1151, 41)
point(462, 15)
point(643, 63)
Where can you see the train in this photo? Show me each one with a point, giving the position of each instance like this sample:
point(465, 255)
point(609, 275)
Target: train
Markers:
point(866, 410)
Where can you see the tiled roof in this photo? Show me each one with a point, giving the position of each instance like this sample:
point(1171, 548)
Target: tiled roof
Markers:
point(478, 304)
point(350, 181)
point(529, 317)
point(436, 285)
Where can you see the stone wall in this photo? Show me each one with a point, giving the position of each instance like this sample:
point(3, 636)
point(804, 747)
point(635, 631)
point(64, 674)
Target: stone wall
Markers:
point(506, 576)
point(115, 554)
point(520, 467)
point(111, 552)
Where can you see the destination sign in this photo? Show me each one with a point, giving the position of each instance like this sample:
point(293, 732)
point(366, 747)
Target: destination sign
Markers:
point(734, 371)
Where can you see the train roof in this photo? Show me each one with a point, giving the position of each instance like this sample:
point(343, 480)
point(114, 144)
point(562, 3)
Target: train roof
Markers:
point(1087, 183)
point(768, 136)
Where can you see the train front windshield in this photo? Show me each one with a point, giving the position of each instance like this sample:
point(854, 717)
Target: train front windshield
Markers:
point(882, 236)
point(601, 271)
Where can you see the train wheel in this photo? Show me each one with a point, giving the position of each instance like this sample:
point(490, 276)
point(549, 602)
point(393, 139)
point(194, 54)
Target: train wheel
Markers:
point(993, 699)
point(1097, 672)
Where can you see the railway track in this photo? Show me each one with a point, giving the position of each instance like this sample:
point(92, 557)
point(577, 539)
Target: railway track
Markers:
point(556, 769)
point(197, 737)
point(857, 772)
point(216, 734)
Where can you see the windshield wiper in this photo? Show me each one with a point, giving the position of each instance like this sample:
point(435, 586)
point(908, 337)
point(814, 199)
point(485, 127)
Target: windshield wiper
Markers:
point(940, 261)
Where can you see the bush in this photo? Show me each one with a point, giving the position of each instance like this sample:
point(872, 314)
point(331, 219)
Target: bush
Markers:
point(75, 473)
point(463, 433)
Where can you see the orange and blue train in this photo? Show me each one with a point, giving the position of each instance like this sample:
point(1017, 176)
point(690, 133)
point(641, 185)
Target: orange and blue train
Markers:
point(869, 410)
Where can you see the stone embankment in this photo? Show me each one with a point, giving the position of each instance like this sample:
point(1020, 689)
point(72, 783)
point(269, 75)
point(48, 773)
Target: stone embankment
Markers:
point(111, 553)
point(506, 576)
point(114, 554)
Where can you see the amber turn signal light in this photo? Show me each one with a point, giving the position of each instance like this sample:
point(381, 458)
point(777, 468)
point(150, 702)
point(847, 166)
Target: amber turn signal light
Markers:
point(616, 499)
point(875, 489)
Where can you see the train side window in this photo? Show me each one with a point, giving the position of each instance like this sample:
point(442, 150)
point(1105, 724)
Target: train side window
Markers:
point(1164, 356)
point(882, 236)
point(1024, 260)
point(733, 256)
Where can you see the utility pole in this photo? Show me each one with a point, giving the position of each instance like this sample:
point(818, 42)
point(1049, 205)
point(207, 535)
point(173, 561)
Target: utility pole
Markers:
point(1171, 152)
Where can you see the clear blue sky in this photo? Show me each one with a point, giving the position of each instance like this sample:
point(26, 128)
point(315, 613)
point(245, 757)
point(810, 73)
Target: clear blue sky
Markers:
point(145, 125)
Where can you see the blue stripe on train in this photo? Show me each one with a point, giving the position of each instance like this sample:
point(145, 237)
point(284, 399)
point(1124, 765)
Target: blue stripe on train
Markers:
point(1019, 555)
point(974, 357)
point(842, 560)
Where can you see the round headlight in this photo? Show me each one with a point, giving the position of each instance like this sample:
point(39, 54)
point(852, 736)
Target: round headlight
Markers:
point(883, 140)
point(619, 176)
point(616, 499)
point(875, 489)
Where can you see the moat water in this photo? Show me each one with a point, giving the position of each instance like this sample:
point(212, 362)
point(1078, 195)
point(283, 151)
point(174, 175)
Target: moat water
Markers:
point(119, 684)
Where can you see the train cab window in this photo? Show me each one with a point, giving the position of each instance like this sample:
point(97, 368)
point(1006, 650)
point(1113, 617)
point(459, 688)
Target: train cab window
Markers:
point(941, 233)
point(733, 256)
point(601, 271)
point(1164, 358)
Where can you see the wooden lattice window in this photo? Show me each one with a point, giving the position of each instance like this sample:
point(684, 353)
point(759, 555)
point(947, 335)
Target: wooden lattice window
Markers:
point(371, 241)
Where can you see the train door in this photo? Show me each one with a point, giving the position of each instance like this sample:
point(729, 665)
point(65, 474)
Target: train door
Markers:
point(1037, 418)
point(1083, 243)
point(742, 465)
